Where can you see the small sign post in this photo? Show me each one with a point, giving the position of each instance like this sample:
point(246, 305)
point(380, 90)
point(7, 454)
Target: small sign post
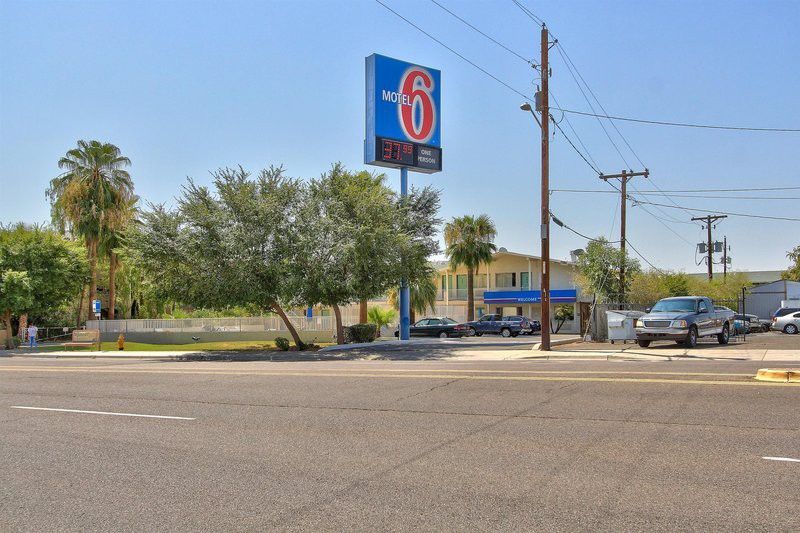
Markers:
point(403, 130)
point(96, 308)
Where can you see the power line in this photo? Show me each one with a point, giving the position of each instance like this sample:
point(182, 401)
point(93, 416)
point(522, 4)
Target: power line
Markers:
point(576, 148)
point(650, 121)
point(576, 232)
point(747, 215)
point(498, 43)
point(680, 124)
point(658, 219)
point(568, 61)
point(530, 13)
point(643, 257)
point(570, 66)
point(531, 63)
point(495, 78)
point(682, 195)
point(574, 77)
point(580, 141)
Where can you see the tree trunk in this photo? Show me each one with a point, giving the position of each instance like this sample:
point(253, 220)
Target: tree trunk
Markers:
point(93, 282)
point(339, 329)
point(292, 331)
point(112, 284)
point(362, 311)
point(80, 308)
point(7, 322)
point(412, 316)
point(470, 295)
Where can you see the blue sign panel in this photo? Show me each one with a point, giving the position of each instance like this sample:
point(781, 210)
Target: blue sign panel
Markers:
point(560, 296)
point(96, 306)
point(403, 115)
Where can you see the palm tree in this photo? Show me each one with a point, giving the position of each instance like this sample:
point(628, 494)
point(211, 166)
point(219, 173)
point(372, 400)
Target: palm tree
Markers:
point(469, 242)
point(422, 296)
point(380, 317)
point(111, 240)
point(87, 197)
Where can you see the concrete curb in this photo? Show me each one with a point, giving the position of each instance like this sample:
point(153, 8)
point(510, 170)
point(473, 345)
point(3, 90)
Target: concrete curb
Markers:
point(780, 375)
point(559, 342)
point(110, 355)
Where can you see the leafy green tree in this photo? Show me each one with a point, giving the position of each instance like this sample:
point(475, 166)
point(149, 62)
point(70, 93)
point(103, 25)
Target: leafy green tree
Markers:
point(793, 272)
point(562, 314)
point(228, 247)
point(651, 286)
point(90, 196)
point(469, 241)
point(720, 288)
point(15, 295)
point(381, 317)
point(339, 261)
point(598, 270)
point(54, 270)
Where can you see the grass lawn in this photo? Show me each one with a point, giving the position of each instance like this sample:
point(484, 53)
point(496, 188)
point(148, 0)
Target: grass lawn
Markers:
point(195, 346)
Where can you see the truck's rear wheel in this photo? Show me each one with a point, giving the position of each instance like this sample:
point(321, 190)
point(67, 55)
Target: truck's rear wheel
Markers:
point(644, 344)
point(723, 337)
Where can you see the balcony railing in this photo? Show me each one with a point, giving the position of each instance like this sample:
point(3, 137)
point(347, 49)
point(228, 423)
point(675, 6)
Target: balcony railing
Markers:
point(461, 294)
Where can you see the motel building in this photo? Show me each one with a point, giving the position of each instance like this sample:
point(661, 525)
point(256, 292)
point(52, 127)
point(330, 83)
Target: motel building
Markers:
point(511, 285)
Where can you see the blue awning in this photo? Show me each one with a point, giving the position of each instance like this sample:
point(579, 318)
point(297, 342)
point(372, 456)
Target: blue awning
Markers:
point(561, 296)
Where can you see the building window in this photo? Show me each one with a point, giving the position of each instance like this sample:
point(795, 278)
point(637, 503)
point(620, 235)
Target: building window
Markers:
point(508, 279)
point(524, 281)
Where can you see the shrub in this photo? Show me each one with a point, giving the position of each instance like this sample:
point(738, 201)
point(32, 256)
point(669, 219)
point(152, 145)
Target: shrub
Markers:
point(362, 332)
point(282, 343)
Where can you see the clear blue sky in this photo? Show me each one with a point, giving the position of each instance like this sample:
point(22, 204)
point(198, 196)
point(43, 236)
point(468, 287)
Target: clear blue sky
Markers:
point(184, 87)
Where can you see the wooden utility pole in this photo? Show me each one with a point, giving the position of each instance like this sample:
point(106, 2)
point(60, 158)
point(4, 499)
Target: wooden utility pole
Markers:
point(709, 219)
point(623, 177)
point(545, 215)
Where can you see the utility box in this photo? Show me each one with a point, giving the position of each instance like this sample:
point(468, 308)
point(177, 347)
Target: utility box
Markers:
point(622, 324)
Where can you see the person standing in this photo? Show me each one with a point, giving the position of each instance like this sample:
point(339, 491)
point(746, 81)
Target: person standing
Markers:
point(32, 332)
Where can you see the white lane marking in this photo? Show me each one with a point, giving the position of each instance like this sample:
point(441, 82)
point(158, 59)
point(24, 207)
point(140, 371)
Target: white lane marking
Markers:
point(787, 459)
point(99, 412)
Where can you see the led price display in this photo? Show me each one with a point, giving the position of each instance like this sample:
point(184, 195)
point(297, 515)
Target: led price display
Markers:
point(397, 152)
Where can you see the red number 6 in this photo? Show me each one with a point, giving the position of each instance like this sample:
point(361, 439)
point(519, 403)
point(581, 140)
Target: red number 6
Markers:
point(417, 83)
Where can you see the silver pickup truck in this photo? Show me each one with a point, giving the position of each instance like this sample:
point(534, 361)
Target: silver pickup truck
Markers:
point(684, 319)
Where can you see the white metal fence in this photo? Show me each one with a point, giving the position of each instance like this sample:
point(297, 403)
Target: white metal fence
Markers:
point(212, 325)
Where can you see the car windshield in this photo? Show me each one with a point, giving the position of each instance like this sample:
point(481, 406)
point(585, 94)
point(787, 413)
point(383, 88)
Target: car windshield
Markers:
point(673, 306)
point(449, 321)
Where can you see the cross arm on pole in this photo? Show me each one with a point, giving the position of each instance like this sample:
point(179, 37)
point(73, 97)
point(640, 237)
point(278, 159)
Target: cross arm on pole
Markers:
point(625, 174)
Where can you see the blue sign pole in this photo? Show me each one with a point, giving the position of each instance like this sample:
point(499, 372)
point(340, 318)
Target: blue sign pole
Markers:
point(405, 292)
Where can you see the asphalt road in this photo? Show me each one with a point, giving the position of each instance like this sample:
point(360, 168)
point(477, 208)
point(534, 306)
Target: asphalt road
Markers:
point(396, 445)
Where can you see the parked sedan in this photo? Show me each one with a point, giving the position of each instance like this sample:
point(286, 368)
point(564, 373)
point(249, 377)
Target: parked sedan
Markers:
point(442, 327)
point(787, 323)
